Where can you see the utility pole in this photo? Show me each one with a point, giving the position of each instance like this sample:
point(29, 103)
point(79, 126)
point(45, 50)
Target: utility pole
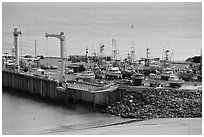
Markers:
point(35, 49)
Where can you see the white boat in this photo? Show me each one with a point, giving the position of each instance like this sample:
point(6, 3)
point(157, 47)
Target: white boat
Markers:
point(137, 79)
point(40, 72)
point(113, 72)
point(174, 81)
point(166, 73)
point(154, 76)
point(86, 74)
point(69, 71)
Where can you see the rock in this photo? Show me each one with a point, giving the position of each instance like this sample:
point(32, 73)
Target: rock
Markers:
point(158, 103)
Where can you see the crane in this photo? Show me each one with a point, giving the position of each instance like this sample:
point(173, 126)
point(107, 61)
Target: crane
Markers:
point(15, 34)
point(61, 37)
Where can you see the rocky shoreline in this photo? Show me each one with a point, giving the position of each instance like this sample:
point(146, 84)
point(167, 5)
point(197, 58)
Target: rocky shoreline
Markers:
point(158, 103)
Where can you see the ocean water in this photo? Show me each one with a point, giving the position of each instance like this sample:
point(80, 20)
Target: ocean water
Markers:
point(176, 26)
point(23, 114)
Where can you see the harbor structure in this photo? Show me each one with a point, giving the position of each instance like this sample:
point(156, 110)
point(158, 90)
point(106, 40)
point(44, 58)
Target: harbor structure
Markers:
point(15, 34)
point(61, 37)
point(83, 88)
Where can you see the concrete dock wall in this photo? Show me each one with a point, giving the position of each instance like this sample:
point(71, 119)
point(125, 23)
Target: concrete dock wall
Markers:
point(31, 84)
point(48, 88)
point(96, 98)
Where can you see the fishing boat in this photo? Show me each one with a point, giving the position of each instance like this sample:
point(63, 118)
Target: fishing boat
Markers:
point(174, 81)
point(113, 72)
point(166, 73)
point(128, 72)
point(86, 74)
point(137, 79)
point(186, 74)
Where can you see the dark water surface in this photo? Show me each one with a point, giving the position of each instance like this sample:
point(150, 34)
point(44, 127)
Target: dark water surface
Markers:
point(22, 114)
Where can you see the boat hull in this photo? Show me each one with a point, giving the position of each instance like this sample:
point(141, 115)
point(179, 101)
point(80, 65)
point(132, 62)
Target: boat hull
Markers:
point(186, 76)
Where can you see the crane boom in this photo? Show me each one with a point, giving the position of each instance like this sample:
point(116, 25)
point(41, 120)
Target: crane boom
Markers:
point(61, 37)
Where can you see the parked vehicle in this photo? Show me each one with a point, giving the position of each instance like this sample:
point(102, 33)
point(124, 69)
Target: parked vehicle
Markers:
point(53, 67)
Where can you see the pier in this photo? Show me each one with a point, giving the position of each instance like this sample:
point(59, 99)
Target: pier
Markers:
point(48, 88)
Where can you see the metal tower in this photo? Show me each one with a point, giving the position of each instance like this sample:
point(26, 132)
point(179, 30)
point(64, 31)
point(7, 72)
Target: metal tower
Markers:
point(61, 37)
point(15, 34)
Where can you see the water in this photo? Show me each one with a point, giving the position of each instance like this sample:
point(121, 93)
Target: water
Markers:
point(177, 26)
point(22, 114)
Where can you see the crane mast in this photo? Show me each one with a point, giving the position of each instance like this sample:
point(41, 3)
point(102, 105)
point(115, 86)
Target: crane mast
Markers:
point(15, 34)
point(61, 37)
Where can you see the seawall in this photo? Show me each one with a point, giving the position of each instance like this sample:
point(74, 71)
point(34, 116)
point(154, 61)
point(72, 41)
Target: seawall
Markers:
point(48, 88)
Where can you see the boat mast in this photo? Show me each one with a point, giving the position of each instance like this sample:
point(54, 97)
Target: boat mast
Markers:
point(86, 55)
point(166, 57)
point(132, 52)
point(35, 50)
point(114, 49)
point(147, 57)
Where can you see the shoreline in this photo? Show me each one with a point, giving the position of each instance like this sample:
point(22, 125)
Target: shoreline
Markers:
point(167, 126)
point(103, 124)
